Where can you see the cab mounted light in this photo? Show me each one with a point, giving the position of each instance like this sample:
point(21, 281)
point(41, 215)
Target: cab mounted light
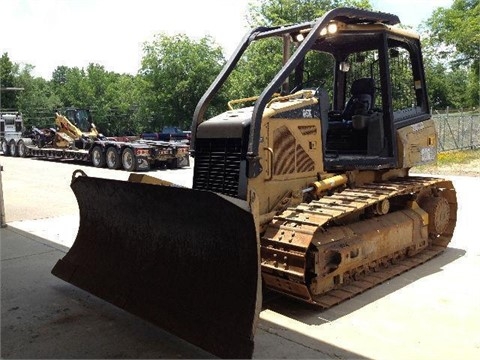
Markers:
point(298, 37)
point(331, 28)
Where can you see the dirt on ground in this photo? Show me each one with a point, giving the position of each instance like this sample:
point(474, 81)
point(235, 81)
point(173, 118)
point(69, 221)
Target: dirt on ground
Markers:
point(471, 168)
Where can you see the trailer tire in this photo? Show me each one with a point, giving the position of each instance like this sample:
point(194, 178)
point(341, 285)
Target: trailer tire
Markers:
point(129, 160)
point(112, 158)
point(5, 148)
point(22, 149)
point(13, 148)
point(173, 164)
point(98, 157)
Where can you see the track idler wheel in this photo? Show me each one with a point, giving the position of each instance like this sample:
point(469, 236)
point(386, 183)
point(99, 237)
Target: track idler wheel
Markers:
point(438, 211)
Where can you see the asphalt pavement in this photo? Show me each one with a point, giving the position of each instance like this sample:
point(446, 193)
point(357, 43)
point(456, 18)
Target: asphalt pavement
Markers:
point(430, 312)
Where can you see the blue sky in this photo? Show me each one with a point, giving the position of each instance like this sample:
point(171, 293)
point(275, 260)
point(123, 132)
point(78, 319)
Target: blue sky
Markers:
point(49, 33)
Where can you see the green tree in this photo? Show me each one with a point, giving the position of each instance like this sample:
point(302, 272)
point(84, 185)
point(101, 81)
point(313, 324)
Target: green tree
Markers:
point(71, 86)
point(120, 104)
point(111, 97)
point(38, 100)
point(283, 12)
point(437, 85)
point(455, 34)
point(175, 73)
point(59, 75)
point(458, 26)
point(36, 95)
point(263, 60)
point(7, 79)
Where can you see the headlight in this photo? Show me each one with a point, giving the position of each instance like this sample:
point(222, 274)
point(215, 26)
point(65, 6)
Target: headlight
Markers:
point(331, 28)
point(299, 37)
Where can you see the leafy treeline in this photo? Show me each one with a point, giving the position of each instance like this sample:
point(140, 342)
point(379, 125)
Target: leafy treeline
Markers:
point(176, 71)
point(454, 61)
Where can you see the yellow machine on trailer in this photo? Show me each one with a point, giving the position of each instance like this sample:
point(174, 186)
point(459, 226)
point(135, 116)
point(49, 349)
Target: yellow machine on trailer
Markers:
point(306, 192)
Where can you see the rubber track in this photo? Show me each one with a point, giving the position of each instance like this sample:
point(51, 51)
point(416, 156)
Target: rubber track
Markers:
point(320, 212)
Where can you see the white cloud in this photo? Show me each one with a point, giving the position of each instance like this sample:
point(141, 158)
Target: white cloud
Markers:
point(50, 33)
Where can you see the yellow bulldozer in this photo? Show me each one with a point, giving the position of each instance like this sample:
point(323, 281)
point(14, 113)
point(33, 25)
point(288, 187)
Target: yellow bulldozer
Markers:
point(303, 189)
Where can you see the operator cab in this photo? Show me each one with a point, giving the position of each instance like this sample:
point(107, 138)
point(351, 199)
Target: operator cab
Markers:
point(10, 123)
point(377, 87)
point(80, 117)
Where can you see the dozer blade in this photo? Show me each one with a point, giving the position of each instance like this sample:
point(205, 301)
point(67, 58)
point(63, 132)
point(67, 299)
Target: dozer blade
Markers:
point(185, 260)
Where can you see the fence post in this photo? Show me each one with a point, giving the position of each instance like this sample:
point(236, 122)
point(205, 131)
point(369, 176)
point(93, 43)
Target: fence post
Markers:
point(460, 129)
point(471, 132)
point(445, 124)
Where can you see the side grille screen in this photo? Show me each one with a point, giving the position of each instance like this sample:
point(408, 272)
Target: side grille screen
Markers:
point(284, 147)
point(217, 165)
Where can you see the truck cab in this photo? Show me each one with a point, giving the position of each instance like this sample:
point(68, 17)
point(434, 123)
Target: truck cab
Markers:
point(11, 129)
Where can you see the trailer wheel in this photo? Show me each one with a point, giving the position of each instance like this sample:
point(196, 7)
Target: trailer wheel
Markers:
point(13, 148)
point(112, 158)
point(5, 148)
point(129, 160)
point(173, 164)
point(98, 157)
point(21, 148)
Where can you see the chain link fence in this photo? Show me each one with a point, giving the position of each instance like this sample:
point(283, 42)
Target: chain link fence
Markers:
point(457, 129)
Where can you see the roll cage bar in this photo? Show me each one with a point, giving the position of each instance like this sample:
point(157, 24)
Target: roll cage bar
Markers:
point(345, 15)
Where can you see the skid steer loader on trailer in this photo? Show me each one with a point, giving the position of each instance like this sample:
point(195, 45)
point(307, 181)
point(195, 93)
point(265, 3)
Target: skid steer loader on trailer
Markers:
point(304, 189)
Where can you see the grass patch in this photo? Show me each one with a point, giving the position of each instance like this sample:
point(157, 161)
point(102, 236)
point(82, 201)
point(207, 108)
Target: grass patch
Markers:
point(458, 157)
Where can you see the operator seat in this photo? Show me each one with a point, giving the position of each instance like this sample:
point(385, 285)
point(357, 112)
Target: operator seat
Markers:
point(362, 98)
point(348, 131)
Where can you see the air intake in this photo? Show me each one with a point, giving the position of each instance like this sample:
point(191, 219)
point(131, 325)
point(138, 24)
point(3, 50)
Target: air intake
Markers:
point(218, 164)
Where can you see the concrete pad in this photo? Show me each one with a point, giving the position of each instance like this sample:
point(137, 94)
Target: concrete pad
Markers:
point(434, 316)
point(45, 318)
point(432, 311)
point(60, 230)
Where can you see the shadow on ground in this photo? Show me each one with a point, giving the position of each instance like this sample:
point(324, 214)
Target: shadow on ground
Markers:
point(303, 312)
